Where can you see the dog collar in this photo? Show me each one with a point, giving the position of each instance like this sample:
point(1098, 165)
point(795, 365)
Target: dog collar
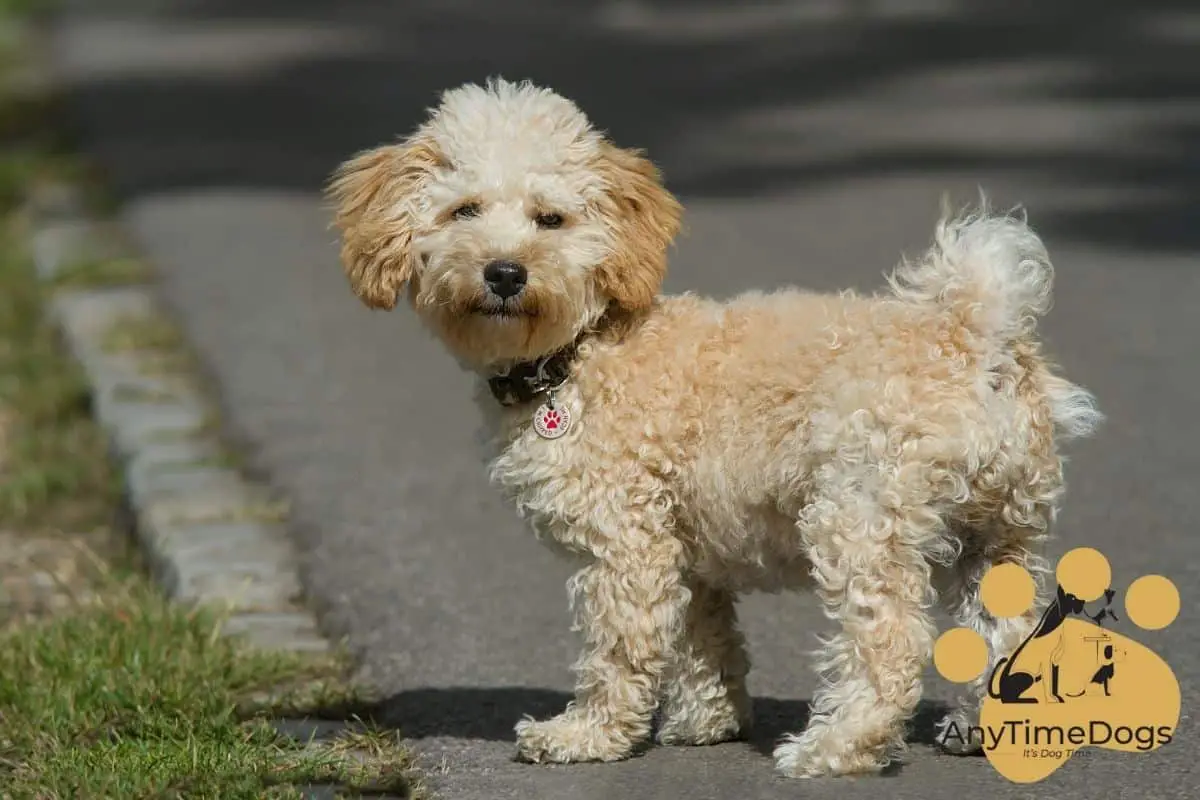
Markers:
point(527, 380)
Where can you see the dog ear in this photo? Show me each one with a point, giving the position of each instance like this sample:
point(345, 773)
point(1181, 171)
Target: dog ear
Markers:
point(374, 194)
point(645, 219)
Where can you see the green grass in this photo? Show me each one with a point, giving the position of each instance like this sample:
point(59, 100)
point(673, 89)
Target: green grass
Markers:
point(16, 169)
point(136, 698)
point(55, 470)
point(105, 272)
point(12, 8)
point(126, 393)
point(160, 348)
point(142, 333)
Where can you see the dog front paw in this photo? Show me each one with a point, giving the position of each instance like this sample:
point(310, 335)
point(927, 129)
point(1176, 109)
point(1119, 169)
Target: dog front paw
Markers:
point(827, 750)
point(569, 738)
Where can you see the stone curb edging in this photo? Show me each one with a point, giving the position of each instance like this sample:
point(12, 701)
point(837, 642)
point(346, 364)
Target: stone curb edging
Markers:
point(210, 535)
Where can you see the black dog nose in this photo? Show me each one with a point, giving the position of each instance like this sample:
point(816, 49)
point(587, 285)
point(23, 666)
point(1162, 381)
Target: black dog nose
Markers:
point(505, 278)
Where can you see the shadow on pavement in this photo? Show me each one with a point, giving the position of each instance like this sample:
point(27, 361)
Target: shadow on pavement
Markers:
point(490, 714)
point(728, 97)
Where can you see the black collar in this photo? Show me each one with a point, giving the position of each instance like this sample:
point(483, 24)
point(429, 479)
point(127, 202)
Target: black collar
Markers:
point(527, 380)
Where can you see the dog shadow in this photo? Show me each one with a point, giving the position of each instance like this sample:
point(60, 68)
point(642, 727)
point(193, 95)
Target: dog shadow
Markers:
point(774, 719)
point(490, 713)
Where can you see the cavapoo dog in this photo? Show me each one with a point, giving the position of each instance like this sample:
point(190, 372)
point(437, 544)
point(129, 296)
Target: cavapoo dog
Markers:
point(880, 451)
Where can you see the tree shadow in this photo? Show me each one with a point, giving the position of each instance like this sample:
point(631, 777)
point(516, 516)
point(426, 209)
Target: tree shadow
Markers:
point(723, 95)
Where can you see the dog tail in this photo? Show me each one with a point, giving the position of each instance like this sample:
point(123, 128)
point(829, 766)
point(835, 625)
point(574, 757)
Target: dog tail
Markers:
point(989, 270)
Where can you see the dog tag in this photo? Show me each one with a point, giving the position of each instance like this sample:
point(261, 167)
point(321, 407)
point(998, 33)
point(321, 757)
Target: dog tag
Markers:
point(551, 420)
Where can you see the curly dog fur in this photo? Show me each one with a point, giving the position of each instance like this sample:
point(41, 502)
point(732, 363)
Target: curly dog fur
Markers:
point(880, 451)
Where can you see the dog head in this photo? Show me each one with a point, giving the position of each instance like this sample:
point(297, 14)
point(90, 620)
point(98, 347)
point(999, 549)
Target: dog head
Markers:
point(509, 223)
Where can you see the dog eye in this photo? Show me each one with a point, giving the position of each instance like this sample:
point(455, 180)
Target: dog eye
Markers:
point(466, 211)
point(549, 221)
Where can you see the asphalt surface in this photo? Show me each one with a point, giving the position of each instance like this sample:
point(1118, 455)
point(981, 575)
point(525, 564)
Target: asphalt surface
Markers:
point(811, 143)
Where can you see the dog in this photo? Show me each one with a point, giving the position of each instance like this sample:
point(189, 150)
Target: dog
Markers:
point(881, 451)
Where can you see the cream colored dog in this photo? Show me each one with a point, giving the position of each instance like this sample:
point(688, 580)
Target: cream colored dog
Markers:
point(882, 451)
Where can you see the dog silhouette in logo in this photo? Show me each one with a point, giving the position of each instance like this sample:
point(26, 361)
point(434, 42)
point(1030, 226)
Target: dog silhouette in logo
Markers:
point(1009, 685)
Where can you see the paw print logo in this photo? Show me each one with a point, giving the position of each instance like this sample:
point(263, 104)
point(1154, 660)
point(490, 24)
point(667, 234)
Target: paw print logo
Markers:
point(1070, 682)
point(551, 422)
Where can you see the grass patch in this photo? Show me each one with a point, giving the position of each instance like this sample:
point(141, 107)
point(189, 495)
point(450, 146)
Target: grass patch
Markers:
point(159, 346)
point(166, 363)
point(17, 168)
point(136, 698)
point(128, 393)
point(219, 460)
point(264, 510)
point(104, 273)
point(19, 8)
point(54, 470)
point(209, 427)
point(142, 333)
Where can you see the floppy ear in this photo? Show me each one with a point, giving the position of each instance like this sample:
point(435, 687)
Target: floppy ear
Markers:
point(645, 218)
point(374, 194)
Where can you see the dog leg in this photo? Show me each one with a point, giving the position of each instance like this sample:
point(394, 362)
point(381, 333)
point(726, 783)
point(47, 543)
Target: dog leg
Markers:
point(1003, 634)
point(631, 607)
point(870, 564)
point(706, 701)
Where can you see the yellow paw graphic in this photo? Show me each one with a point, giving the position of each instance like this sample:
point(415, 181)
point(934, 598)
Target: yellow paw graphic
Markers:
point(1073, 682)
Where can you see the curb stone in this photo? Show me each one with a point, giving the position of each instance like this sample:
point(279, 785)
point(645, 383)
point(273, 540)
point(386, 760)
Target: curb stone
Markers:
point(73, 241)
point(210, 535)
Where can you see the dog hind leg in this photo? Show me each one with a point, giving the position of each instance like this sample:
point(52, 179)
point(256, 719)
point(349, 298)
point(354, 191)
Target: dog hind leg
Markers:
point(961, 596)
point(870, 540)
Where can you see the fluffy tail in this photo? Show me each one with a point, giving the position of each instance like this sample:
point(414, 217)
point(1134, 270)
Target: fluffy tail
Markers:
point(990, 270)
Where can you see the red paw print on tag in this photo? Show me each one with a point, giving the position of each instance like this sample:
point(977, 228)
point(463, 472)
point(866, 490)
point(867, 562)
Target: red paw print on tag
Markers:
point(551, 422)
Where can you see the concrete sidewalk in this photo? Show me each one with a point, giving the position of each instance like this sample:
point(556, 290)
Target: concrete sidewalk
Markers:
point(811, 143)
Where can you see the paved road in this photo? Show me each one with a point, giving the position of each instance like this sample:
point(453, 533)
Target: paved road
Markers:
point(811, 142)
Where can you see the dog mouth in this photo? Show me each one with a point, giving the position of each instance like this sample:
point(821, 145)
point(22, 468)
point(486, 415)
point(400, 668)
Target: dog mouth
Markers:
point(500, 311)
